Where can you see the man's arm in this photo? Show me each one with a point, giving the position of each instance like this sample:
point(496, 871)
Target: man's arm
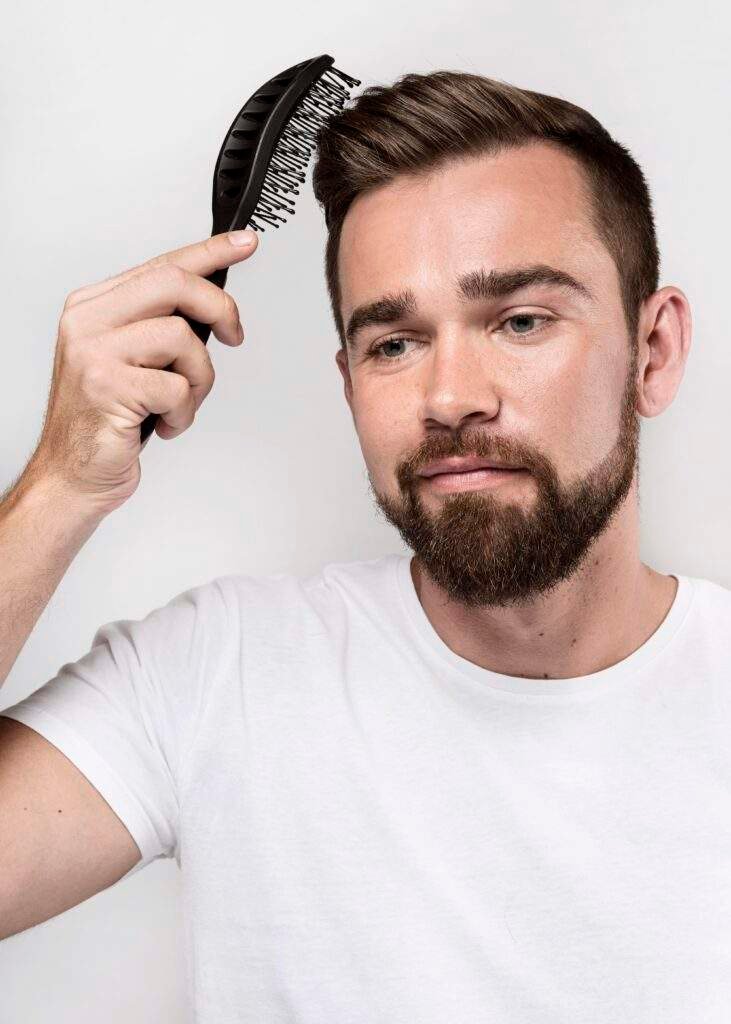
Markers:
point(125, 349)
point(60, 842)
point(42, 529)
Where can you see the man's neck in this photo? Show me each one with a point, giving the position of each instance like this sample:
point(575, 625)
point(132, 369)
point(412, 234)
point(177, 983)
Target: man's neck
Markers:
point(586, 624)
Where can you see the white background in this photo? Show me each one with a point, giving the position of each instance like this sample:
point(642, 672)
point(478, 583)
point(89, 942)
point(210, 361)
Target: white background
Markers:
point(112, 118)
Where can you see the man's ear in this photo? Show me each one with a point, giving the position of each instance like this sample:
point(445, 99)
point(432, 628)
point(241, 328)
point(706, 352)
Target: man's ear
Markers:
point(341, 359)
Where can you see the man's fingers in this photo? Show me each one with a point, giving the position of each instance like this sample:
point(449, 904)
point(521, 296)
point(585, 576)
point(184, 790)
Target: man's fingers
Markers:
point(201, 258)
point(159, 292)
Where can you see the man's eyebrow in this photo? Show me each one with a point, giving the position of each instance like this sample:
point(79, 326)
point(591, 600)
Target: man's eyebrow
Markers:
point(475, 285)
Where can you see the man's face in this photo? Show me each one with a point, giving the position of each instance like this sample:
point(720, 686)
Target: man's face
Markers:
point(540, 378)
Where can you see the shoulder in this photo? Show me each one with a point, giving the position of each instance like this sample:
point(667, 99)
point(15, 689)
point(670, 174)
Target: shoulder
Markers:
point(322, 594)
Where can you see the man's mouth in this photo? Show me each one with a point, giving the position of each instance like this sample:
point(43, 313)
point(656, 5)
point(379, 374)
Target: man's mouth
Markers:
point(471, 479)
point(464, 464)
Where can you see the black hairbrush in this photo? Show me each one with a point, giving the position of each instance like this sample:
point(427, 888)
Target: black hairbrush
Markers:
point(265, 152)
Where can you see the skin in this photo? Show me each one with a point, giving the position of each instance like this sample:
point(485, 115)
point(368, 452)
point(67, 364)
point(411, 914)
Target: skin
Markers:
point(539, 577)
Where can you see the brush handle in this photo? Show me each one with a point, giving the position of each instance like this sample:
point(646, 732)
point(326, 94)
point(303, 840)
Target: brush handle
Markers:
point(203, 331)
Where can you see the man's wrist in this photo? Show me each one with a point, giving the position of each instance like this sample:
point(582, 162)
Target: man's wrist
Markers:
point(45, 494)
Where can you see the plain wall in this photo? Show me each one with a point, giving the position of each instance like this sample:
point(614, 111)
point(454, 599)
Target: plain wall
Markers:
point(112, 117)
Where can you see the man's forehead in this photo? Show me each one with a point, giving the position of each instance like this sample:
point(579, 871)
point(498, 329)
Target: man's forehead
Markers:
point(541, 179)
point(520, 207)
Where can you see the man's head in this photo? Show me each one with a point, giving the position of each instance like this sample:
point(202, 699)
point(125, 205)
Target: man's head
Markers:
point(435, 191)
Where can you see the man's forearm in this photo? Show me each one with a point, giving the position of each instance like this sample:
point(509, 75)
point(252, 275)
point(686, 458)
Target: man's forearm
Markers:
point(42, 529)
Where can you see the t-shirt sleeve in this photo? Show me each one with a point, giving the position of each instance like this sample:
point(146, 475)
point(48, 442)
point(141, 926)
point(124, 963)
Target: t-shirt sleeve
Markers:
point(125, 713)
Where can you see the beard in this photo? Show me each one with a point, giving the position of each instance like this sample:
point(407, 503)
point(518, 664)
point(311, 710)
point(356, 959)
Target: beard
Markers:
point(485, 550)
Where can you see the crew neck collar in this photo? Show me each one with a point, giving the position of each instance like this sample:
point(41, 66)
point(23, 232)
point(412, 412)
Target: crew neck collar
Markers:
point(595, 682)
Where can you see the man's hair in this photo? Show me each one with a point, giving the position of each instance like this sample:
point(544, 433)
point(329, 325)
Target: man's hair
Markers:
point(422, 122)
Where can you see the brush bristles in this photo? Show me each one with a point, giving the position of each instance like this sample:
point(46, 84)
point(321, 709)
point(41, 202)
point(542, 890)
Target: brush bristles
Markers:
point(292, 152)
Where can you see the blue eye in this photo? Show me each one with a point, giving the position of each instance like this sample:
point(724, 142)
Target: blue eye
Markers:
point(377, 351)
point(525, 316)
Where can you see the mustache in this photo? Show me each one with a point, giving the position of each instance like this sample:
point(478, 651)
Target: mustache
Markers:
point(488, 448)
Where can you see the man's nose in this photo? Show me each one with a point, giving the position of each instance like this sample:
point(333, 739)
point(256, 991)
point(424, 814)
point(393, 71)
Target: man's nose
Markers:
point(460, 379)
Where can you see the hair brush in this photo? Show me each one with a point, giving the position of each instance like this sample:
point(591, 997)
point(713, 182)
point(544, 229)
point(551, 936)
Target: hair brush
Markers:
point(265, 151)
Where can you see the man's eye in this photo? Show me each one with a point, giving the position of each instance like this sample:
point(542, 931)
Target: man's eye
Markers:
point(379, 350)
point(528, 316)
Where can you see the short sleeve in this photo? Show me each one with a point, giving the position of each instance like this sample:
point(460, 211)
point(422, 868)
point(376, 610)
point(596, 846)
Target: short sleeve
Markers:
point(125, 712)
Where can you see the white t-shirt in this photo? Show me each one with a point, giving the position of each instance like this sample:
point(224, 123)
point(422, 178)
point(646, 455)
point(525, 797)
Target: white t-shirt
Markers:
point(374, 830)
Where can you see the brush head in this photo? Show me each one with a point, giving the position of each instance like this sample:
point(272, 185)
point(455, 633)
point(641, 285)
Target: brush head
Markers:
point(267, 148)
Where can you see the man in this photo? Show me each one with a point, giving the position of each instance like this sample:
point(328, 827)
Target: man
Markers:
point(486, 783)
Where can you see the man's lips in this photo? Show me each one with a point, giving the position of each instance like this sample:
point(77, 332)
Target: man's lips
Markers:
point(465, 464)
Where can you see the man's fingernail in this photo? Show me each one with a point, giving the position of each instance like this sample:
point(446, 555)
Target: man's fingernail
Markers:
point(241, 237)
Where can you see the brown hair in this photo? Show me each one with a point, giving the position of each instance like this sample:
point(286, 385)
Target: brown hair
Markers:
point(422, 121)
